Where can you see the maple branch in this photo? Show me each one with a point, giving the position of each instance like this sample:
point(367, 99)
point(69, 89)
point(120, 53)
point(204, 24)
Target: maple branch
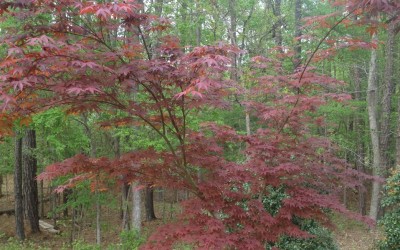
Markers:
point(164, 125)
point(308, 63)
point(321, 41)
point(144, 43)
point(94, 37)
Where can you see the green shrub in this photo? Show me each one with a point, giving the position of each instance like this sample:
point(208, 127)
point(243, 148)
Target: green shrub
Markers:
point(322, 240)
point(131, 239)
point(391, 221)
point(80, 245)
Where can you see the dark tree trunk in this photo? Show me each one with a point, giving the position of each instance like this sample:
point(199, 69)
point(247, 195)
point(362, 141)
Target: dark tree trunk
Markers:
point(277, 28)
point(198, 23)
point(232, 35)
point(66, 194)
point(297, 32)
point(150, 215)
point(1, 185)
point(19, 210)
point(30, 189)
point(124, 206)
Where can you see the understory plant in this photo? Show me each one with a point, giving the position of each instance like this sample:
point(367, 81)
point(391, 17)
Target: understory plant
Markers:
point(391, 221)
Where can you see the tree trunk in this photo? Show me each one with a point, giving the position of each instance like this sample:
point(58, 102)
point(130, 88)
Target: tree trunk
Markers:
point(372, 100)
point(1, 185)
point(30, 187)
point(387, 100)
point(98, 214)
point(150, 214)
point(41, 200)
point(19, 212)
point(136, 208)
point(398, 137)
point(297, 32)
point(232, 35)
point(277, 28)
point(66, 196)
point(198, 23)
point(298, 13)
point(360, 153)
point(124, 210)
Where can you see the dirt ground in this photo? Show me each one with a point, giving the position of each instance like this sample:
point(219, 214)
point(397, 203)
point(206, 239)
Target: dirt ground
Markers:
point(353, 235)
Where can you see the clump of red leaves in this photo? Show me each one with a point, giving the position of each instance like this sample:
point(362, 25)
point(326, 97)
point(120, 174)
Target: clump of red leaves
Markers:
point(87, 66)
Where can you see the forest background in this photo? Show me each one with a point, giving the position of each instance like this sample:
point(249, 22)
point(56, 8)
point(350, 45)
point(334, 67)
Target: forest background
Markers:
point(262, 117)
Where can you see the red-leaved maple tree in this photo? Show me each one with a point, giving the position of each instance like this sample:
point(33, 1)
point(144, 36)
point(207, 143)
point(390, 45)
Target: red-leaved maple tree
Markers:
point(97, 57)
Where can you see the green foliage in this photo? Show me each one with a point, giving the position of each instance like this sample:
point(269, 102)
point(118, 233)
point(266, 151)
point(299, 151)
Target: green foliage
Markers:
point(59, 136)
point(183, 246)
point(322, 238)
point(7, 156)
point(80, 245)
point(131, 239)
point(273, 202)
point(14, 244)
point(391, 220)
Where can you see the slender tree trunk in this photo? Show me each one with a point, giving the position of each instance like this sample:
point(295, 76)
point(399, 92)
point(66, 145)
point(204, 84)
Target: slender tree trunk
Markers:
point(124, 189)
point(372, 100)
point(277, 29)
point(53, 198)
point(150, 214)
point(66, 194)
point(125, 213)
point(93, 152)
point(359, 128)
point(232, 35)
point(297, 33)
point(98, 214)
point(30, 187)
point(136, 207)
point(19, 212)
point(1, 185)
point(198, 22)
point(398, 137)
point(235, 62)
point(387, 100)
point(41, 199)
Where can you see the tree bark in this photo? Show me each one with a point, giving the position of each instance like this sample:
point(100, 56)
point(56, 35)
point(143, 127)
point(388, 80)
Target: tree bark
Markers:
point(1, 185)
point(98, 214)
point(30, 187)
point(198, 23)
point(360, 153)
point(372, 103)
point(232, 35)
point(124, 211)
point(387, 100)
point(19, 212)
point(136, 208)
point(297, 33)
point(150, 214)
point(277, 28)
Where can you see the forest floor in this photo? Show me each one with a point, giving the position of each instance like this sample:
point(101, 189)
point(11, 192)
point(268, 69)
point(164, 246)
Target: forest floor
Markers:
point(354, 235)
point(349, 234)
